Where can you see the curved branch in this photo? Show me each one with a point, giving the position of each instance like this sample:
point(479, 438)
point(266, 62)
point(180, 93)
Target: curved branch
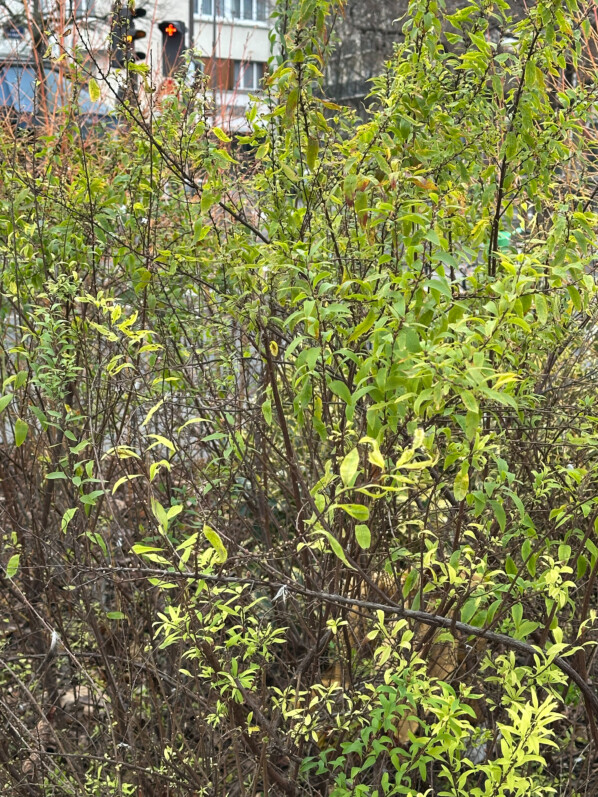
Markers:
point(434, 620)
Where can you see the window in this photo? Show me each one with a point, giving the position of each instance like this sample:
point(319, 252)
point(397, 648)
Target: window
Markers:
point(248, 75)
point(17, 88)
point(220, 72)
point(84, 7)
point(249, 9)
point(209, 7)
point(238, 9)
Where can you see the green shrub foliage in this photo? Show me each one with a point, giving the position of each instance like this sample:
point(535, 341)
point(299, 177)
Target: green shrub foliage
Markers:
point(299, 451)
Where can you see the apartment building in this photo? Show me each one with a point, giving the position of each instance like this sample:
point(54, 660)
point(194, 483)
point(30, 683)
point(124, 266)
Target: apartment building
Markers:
point(230, 41)
point(231, 44)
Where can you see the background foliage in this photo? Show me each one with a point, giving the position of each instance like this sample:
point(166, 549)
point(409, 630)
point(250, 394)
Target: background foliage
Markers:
point(299, 452)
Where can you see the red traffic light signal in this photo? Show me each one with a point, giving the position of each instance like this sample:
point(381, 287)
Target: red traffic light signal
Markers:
point(173, 44)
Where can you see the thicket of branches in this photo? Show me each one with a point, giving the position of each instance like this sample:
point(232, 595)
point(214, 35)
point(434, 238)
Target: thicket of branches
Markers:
point(299, 449)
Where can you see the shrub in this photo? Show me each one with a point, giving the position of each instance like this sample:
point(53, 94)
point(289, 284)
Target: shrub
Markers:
point(298, 448)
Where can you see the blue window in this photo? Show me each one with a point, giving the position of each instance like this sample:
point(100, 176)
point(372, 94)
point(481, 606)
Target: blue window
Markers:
point(17, 88)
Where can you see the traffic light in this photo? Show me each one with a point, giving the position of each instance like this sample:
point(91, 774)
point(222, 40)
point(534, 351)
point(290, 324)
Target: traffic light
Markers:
point(173, 44)
point(124, 34)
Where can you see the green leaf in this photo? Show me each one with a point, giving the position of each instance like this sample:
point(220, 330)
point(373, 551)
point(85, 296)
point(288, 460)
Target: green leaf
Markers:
point(116, 616)
point(410, 581)
point(5, 401)
point(173, 511)
point(541, 308)
point(349, 465)
point(591, 546)
point(155, 467)
point(216, 542)
point(517, 613)
point(161, 441)
point(159, 513)
point(91, 498)
point(525, 629)
point(376, 458)
point(66, 519)
point(357, 511)
point(470, 402)
point(56, 474)
point(337, 548)
point(21, 429)
point(472, 422)
point(468, 609)
point(340, 389)
point(313, 146)
point(499, 514)
point(412, 341)
point(510, 567)
point(292, 100)
point(363, 536)
point(267, 411)
point(564, 552)
point(94, 90)
point(494, 607)
point(582, 566)
point(13, 565)
point(40, 416)
point(575, 297)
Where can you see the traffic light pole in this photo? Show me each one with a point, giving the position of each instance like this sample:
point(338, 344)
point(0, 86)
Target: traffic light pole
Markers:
point(124, 35)
point(191, 23)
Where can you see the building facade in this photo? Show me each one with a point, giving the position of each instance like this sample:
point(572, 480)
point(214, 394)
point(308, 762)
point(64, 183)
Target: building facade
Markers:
point(365, 37)
point(231, 44)
point(230, 41)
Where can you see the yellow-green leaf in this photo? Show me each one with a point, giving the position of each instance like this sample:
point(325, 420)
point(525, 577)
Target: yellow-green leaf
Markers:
point(337, 548)
point(154, 409)
point(94, 90)
point(363, 536)
point(469, 400)
point(364, 326)
point(13, 565)
point(21, 429)
point(215, 541)
point(66, 519)
point(122, 480)
point(349, 467)
point(358, 511)
point(541, 308)
point(220, 134)
point(461, 485)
